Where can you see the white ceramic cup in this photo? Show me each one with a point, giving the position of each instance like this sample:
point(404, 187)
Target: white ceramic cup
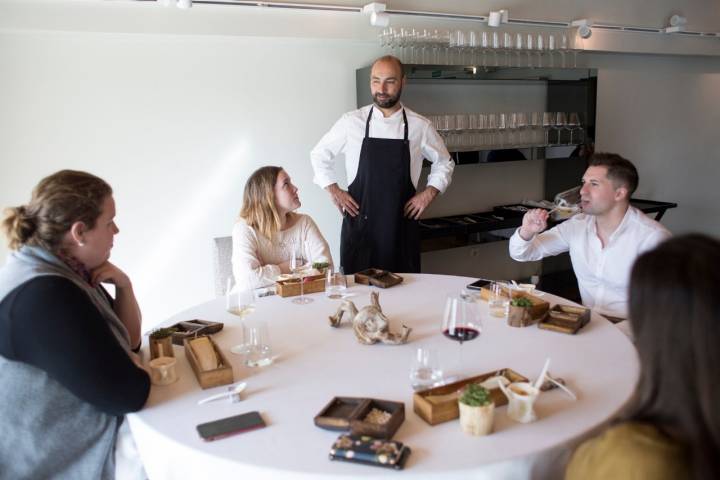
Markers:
point(162, 370)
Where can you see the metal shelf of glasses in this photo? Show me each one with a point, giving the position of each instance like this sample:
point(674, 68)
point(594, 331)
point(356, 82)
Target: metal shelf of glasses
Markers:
point(430, 73)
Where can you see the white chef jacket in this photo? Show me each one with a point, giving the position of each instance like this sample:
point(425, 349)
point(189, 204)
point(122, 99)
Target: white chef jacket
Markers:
point(346, 136)
point(603, 274)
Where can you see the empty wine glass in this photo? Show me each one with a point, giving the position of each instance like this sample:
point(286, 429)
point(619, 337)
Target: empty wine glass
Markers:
point(563, 130)
point(577, 134)
point(548, 123)
point(336, 283)
point(529, 48)
point(522, 125)
point(300, 264)
point(540, 46)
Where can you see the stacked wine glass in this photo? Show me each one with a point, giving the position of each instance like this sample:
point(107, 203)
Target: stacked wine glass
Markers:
point(487, 48)
point(485, 131)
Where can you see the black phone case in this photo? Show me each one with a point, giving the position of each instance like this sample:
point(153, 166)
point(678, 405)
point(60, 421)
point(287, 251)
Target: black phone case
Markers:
point(478, 284)
point(230, 426)
point(370, 451)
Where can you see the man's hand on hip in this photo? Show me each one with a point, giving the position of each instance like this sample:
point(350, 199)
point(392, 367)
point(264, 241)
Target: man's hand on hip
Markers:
point(343, 200)
point(419, 202)
point(534, 222)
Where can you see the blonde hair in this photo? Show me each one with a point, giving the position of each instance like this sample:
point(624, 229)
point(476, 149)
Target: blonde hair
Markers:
point(57, 202)
point(258, 209)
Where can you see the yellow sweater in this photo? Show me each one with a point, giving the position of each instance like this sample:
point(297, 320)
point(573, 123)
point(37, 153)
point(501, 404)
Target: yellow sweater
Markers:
point(629, 450)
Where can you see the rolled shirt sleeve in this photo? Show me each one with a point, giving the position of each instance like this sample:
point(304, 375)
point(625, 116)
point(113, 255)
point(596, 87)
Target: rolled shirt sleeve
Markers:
point(323, 154)
point(442, 166)
point(546, 244)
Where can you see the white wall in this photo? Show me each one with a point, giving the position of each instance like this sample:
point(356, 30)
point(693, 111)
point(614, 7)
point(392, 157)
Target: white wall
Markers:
point(176, 121)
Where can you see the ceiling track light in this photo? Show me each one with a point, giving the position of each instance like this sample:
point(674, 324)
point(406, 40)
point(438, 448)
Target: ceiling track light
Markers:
point(182, 4)
point(378, 17)
point(676, 24)
point(583, 27)
point(498, 17)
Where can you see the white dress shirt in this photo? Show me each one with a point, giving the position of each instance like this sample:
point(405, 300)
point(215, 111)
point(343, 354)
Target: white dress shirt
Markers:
point(255, 258)
point(346, 136)
point(603, 274)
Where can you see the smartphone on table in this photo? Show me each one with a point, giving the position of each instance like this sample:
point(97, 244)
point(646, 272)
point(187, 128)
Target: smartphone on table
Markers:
point(477, 285)
point(230, 426)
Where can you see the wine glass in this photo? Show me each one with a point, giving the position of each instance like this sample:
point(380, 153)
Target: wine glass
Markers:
point(300, 263)
point(336, 283)
point(461, 320)
point(240, 302)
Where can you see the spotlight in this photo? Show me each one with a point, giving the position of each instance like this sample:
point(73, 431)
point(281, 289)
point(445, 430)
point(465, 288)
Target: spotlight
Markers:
point(498, 17)
point(583, 27)
point(378, 17)
point(676, 24)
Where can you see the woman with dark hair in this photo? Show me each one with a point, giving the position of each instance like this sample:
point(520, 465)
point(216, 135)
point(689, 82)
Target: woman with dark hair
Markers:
point(268, 229)
point(672, 429)
point(67, 366)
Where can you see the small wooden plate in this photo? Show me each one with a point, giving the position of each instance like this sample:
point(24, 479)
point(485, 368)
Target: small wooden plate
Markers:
point(349, 413)
point(565, 319)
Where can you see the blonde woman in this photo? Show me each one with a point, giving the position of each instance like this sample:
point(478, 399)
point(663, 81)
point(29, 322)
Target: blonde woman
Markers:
point(268, 229)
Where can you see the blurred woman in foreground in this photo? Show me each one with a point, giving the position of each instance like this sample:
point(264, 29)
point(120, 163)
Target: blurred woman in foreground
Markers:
point(672, 430)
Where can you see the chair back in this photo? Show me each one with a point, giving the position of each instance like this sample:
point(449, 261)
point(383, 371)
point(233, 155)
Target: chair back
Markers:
point(222, 263)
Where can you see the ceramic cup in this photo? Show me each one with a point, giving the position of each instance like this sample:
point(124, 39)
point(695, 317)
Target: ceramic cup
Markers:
point(162, 370)
point(521, 399)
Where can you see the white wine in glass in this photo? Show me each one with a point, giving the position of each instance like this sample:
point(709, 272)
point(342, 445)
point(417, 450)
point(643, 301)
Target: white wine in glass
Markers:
point(300, 264)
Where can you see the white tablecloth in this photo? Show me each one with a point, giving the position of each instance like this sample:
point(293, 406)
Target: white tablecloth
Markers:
point(317, 362)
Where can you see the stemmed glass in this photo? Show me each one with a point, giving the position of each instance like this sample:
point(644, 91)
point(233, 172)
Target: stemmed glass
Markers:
point(461, 320)
point(561, 125)
point(241, 303)
point(300, 263)
point(576, 129)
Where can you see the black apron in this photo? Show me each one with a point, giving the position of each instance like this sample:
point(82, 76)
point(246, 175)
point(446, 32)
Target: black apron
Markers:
point(380, 236)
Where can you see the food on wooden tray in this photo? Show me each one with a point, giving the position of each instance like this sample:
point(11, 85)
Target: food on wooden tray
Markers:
point(377, 416)
point(205, 353)
point(493, 382)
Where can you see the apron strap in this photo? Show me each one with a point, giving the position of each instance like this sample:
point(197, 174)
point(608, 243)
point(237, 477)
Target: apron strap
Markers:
point(367, 123)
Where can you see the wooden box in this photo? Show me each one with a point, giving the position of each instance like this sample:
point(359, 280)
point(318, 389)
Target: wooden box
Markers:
point(223, 375)
point(566, 319)
point(537, 311)
point(350, 413)
point(378, 278)
point(440, 404)
point(194, 328)
point(291, 287)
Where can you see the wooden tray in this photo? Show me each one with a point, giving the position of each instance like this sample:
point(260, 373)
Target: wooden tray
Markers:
point(537, 311)
point(566, 319)
point(378, 278)
point(440, 404)
point(223, 375)
point(193, 328)
point(348, 413)
point(291, 287)
point(359, 426)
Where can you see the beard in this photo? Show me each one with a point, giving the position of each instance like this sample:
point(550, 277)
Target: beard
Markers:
point(387, 102)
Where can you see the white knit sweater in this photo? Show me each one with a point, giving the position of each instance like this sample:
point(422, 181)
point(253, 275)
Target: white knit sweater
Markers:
point(255, 258)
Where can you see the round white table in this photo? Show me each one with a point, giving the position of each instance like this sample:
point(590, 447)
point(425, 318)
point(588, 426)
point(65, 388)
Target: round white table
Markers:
point(317, 362)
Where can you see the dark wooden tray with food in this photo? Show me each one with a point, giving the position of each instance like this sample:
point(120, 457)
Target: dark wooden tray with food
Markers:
point(377, 277)
point(362, 416)
point(193, 328)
